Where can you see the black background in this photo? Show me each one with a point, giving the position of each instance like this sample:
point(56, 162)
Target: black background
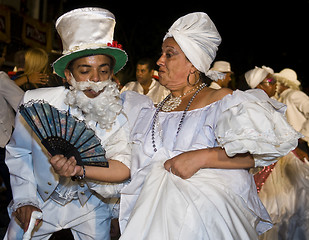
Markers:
point(254, 33)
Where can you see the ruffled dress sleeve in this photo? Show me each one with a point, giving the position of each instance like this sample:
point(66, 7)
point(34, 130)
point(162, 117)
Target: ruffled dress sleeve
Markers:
point(252, 122)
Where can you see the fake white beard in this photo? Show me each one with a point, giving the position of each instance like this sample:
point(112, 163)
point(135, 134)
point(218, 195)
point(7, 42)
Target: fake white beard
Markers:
point(102, 109)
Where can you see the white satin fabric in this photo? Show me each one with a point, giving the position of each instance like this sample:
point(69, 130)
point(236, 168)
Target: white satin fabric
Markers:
point(214, 203)
point(198, 208)
point(88, 28)
point(198, 38)
point(285, 195)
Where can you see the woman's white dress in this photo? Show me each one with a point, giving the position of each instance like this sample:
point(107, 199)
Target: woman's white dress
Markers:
point(213, 203)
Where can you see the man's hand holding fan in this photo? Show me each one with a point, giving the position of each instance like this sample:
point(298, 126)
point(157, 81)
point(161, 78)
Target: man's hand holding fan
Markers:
point(63, 134)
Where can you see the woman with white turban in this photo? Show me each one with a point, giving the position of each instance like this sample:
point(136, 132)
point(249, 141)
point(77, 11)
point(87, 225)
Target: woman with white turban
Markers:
point(262, 78)
point(191, 152)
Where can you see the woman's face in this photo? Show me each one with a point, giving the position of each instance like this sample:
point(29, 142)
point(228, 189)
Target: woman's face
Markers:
point(174, 66)
point(268, 85)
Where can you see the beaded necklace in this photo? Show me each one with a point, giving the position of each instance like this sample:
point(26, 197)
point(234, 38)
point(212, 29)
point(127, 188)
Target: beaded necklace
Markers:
point(155, 117)
point(173, 102)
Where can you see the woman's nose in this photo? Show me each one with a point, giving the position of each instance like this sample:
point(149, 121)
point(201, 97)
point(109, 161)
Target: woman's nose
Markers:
point(160, 61)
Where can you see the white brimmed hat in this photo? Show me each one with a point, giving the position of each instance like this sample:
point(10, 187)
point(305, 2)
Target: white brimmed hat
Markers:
point(85, 32)
point(221, 66)
point(288, 77)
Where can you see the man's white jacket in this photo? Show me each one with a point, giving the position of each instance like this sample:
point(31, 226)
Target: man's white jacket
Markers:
point(28, 160)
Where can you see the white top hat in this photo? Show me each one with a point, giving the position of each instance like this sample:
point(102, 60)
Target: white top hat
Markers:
point(88, 31)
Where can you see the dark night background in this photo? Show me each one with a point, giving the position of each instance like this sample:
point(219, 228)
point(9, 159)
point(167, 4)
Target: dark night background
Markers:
point(254, 33)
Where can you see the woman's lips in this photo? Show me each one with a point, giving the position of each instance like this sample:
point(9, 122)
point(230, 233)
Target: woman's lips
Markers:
point(160, 72)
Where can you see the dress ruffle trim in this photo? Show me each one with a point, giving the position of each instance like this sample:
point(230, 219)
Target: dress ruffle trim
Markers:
point(255, 123)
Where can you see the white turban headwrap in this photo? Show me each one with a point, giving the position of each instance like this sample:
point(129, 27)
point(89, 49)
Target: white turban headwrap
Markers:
point(198, 38)
point(255, 76)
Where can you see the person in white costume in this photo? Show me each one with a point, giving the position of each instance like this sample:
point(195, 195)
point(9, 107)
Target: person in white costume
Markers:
point(89, 60)
point(190, 153)
point(282, 187)
point(262, 78)
point(284, 191)
point(145, 83)
point(220, 74)
point(296, 100)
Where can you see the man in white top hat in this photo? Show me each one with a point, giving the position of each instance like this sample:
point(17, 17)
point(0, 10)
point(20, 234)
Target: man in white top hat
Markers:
point(297, 102)
point(220, 73)
point(90, 58)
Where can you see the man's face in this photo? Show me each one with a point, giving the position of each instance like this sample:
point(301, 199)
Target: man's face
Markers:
point(143, 74)
point(225, 82)
point(268, 85)
point(95, 68)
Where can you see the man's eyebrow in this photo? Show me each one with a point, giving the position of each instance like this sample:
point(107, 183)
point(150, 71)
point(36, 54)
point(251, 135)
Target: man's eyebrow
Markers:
point(83, 65)
point(86, 65)
point(105, 64)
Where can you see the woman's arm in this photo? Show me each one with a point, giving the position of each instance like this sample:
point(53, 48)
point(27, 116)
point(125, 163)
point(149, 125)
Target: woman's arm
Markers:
point(117, 171)
point(187, 164)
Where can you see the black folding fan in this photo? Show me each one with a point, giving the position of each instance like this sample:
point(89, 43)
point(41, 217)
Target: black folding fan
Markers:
point(61, 133)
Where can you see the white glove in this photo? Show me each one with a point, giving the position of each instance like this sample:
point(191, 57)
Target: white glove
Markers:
point(34, 216)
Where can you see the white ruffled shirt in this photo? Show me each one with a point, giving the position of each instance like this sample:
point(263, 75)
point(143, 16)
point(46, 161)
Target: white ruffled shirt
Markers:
point(241, 122)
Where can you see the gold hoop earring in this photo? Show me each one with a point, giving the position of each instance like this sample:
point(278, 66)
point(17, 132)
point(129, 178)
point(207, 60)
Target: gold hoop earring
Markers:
point(196, 81)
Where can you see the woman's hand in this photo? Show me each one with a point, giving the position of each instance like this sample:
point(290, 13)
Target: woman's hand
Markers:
point(65, 167)
point(116, 172)
point(184, 165)
point(38, 78)
point(34, 78)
